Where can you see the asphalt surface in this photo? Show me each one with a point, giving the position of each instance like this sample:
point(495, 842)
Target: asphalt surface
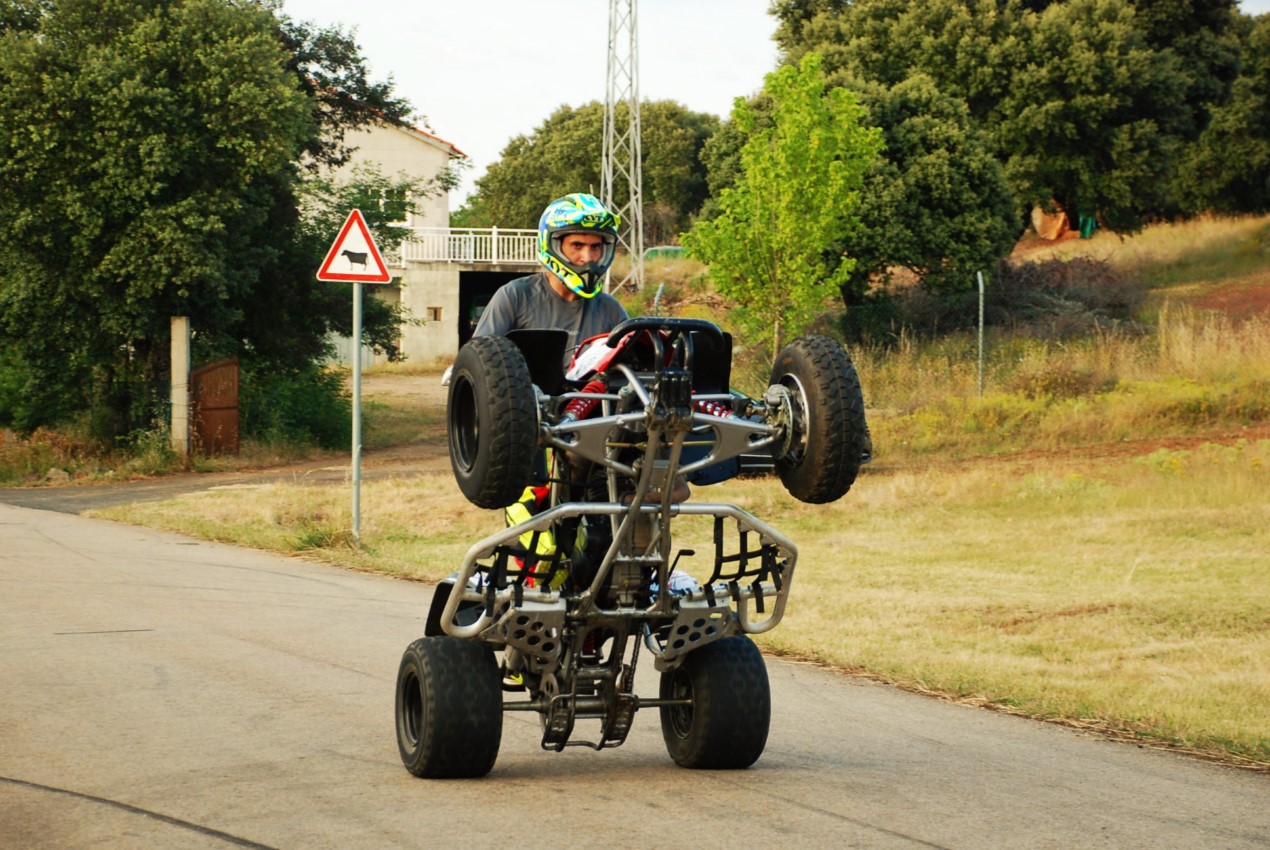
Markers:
point(157, 691)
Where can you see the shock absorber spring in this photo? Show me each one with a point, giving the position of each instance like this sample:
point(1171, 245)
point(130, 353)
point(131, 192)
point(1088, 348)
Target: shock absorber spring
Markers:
point(712, 408)
point(581, 408)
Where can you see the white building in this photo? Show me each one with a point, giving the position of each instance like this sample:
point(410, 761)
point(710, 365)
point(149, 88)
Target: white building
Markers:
point(442, 277)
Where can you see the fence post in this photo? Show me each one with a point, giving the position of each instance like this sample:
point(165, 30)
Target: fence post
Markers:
point(493, 248)
point(981, 334)
point(180, 357)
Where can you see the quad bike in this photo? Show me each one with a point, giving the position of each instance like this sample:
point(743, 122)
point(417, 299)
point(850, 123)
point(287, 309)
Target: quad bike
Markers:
point(638, 414)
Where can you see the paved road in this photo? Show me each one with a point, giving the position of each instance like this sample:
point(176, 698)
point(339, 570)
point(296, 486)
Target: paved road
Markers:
point(161, 692)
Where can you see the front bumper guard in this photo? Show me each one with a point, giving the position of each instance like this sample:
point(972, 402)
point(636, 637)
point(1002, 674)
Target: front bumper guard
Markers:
point(504, 604)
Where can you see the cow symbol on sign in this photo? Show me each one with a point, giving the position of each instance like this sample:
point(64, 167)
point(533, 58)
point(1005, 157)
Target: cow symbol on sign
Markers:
point(355, 258)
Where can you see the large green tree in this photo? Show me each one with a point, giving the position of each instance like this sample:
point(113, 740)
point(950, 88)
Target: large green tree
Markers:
point(141, 140)
point(1086, 102)
point(936, 204)
point(1228, 169)
point(150, 151)
point(1095, 120)
point(564, 155)
point(798, 194)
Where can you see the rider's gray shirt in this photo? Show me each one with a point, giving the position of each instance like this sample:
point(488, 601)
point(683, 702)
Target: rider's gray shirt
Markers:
point(530, 302)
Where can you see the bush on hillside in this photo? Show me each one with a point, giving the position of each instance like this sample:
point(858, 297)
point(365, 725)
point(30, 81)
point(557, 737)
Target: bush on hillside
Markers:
point(1051, 299)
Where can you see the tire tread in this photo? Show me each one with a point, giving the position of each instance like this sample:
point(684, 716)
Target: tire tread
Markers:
point(462, 722)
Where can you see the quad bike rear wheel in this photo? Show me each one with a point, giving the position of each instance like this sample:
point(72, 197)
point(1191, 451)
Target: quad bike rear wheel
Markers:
point(492, 421)
point(820, 460)
point(449, 708)
point(726, 725)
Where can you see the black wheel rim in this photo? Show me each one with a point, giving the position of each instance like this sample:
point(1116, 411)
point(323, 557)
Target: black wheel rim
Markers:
point(411, 717)
point(465, 430)
point(681, 715)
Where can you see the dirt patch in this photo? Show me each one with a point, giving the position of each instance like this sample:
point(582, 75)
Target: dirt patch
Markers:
point(1077, 458)
point(1240, 299)
point(389, 386)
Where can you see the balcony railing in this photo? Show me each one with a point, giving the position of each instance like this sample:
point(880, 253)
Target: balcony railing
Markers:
point(469, 245)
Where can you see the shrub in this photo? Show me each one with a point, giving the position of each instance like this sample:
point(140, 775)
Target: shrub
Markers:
point(1090, 290)
point(1050, 299)
point(307, 407)
point(1061, 380)
point(12, 377)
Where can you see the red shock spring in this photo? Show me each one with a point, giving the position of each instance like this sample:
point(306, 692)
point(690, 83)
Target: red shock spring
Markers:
point(581, 408)
point(712, 408)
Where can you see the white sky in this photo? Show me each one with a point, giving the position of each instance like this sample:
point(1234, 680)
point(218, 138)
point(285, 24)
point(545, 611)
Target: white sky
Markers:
point(484, 71)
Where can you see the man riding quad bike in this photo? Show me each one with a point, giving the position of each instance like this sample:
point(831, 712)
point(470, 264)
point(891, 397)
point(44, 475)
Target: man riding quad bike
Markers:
point(638, 413)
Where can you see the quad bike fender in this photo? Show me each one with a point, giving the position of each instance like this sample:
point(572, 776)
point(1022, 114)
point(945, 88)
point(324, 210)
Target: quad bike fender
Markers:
point(467, 612)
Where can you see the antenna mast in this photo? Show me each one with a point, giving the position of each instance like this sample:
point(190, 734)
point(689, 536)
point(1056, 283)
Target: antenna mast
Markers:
point(622, 164)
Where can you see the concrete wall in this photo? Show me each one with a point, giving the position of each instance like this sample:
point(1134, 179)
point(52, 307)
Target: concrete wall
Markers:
point(430, 293)
point(393, 151)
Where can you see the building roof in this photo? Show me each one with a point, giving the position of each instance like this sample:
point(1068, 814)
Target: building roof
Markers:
point(434, 140)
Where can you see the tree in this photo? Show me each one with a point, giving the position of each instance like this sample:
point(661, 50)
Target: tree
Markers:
point(798, 196)
point(564, 155)
point(1084, 102)
point(1096, 118)
point(1201, 34)
point(150, 150)
point(141, 140)
point(1228, 169)
point(331, 71)
point(936, 203)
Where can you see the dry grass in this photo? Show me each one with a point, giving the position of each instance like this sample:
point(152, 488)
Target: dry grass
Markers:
point(1129, 590)
point(1208, 248)
point(1197, 373)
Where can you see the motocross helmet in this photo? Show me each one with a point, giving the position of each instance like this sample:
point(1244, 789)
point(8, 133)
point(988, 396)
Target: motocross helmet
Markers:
point(577, 213)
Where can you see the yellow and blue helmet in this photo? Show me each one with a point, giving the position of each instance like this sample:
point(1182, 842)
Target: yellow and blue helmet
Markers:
point(577, 213)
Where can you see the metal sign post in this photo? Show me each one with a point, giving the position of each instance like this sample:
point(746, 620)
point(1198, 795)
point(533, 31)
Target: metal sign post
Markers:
point(357, 414)
point(354, 259)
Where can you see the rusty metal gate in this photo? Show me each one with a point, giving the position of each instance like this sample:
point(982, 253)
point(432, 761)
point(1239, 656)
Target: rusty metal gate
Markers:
point(214, 417)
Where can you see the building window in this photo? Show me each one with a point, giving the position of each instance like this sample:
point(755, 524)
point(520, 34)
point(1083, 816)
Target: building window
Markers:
point(395, 204)
point(432, 314)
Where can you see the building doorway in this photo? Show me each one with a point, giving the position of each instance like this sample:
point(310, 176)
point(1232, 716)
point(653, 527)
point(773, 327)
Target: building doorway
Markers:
point(475, 291)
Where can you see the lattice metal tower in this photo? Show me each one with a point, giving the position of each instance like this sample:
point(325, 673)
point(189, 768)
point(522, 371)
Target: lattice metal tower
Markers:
point(621, 178)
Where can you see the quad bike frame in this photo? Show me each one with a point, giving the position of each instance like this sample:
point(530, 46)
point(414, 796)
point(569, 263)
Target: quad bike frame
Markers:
point(571, 621)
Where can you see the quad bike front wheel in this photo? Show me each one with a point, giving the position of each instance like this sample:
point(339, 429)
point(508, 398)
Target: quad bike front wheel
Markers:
point(725, 726)
point(449, 708)
point(492, 421)
point(819, 461)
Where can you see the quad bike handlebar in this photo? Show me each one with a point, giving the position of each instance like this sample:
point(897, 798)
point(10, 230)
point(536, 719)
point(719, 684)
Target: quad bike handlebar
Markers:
point(672, 326)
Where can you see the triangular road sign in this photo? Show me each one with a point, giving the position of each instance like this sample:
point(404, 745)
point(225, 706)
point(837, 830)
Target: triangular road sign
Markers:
point(354, 257)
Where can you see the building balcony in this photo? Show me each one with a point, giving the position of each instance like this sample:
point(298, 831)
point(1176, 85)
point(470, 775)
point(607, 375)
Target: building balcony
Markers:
point(467, 246)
